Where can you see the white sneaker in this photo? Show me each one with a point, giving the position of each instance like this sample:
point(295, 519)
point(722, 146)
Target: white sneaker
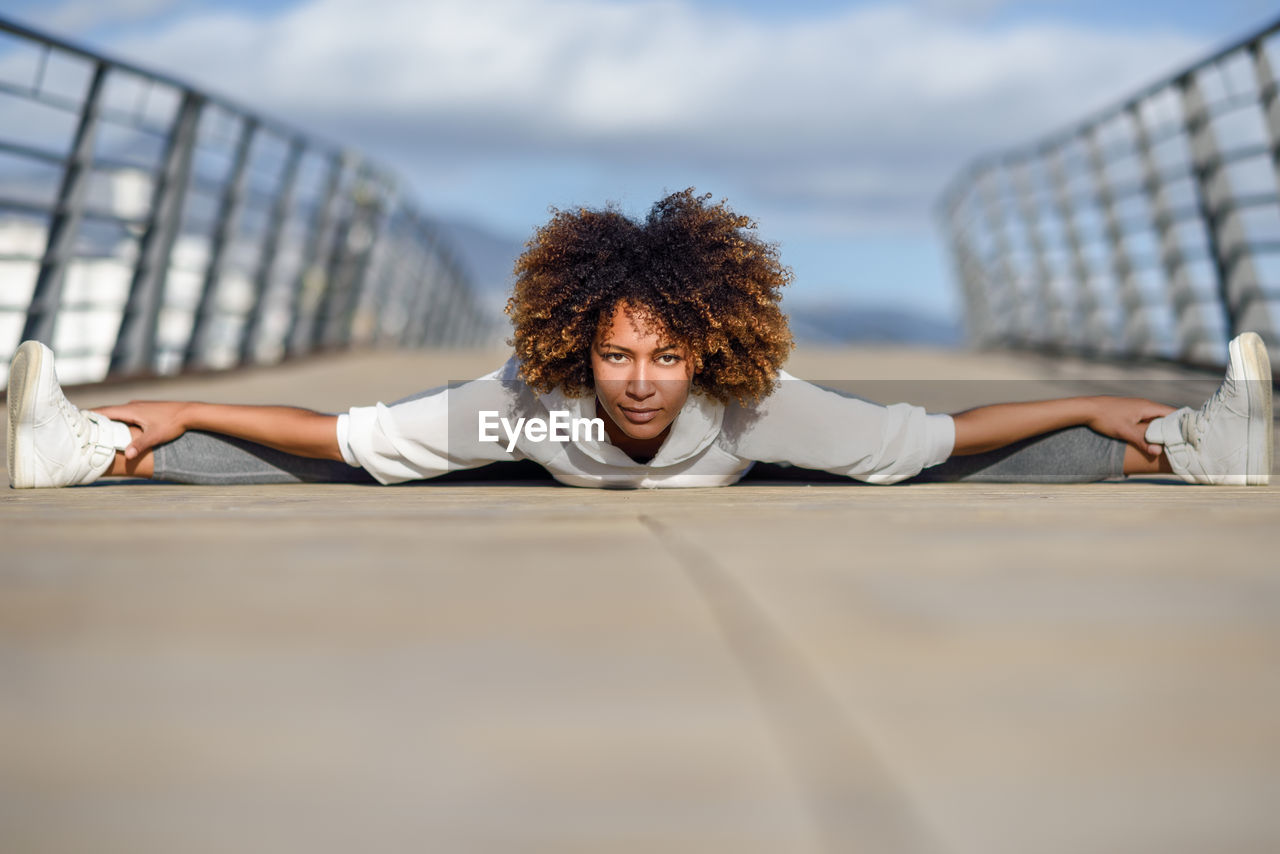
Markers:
point(50, 442)
point(1229, 440)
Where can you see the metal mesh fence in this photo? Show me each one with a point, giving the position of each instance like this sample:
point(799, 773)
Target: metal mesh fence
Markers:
point(1151, 230)
point(147, 227)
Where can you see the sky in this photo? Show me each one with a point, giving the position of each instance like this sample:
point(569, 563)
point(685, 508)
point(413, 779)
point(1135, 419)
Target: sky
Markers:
point(834, 125)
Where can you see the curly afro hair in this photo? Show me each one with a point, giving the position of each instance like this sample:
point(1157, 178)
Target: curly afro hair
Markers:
point(692, 267)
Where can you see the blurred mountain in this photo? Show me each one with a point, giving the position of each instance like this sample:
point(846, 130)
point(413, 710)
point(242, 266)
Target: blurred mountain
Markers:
point(848, 323)
point(487, 256)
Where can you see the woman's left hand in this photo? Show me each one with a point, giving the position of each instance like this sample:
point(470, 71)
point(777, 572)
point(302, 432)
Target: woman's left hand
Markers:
point(1126, 418)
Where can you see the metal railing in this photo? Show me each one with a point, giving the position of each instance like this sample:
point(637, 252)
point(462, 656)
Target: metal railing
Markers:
point(148, 227)
point(1150, 230)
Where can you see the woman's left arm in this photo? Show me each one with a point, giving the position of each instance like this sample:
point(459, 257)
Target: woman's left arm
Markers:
point(986, 428)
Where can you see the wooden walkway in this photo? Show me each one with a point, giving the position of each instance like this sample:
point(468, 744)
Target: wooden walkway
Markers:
point(773, 667)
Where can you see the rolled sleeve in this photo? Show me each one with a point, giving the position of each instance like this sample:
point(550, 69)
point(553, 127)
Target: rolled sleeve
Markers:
point(427, 435)
point(941, 438)
point(343, 445)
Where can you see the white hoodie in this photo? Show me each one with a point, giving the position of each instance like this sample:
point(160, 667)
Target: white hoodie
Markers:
point(710, 443)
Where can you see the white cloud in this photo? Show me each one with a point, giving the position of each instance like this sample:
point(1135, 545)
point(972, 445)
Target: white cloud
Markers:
point(77, 16)
point(966, 8)
point(860, 113)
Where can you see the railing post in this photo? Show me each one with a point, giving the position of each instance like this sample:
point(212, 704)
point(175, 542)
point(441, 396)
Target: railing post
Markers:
point(454, 301)
point(1084, 308)
point(414, 279)
point(1052, 329)
point(411, 277)
point(444, 312)
point(327, 315)
point(136, 341)
point(1194, 342)
point(46, 298)
point(397, 289)
point(198, 345)
point(267, 256)
point(311, 284)
point(955, 214)
point(443, 300)
point(393, 291)
point(428, 284)
point(365, 242)
point(1237, 281)
point(1270, 103)
point(978, 320)
point(1135, 334)
point(1003, 282)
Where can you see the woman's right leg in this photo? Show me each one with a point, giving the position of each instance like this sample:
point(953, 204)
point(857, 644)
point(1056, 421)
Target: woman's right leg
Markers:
point(207, 458)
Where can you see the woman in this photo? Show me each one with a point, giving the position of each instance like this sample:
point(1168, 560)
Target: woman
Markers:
point(646, 355)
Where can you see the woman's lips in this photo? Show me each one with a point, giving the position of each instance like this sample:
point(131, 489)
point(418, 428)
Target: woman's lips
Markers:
point(639, 416)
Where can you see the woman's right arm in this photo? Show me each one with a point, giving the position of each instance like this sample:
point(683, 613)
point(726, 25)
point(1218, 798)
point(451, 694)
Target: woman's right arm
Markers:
point(412, 439)
point(285, 428)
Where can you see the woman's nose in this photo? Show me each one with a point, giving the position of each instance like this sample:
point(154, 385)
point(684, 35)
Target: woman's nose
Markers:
point(639, 384)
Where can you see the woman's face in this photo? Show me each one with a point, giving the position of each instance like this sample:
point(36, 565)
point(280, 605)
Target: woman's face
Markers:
point(642, 379)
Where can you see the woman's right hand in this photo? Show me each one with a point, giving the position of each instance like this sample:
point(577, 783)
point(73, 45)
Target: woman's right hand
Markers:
point(159, 420)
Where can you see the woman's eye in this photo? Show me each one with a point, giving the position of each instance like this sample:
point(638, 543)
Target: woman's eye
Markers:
point(613, 357)
point(669, 359)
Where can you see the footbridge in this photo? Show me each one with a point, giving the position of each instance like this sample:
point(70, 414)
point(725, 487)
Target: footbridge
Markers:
point(497, 663)
point(510, 665)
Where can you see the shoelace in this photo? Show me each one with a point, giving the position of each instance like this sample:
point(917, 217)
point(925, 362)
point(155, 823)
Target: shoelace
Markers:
point(1197, 424)
point(85, 428)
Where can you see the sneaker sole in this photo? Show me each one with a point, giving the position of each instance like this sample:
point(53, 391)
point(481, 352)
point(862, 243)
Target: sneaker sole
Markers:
point(24, 381)
point(1248, 351)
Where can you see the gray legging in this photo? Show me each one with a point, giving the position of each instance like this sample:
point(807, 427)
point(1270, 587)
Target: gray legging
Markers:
point(1071, 455)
